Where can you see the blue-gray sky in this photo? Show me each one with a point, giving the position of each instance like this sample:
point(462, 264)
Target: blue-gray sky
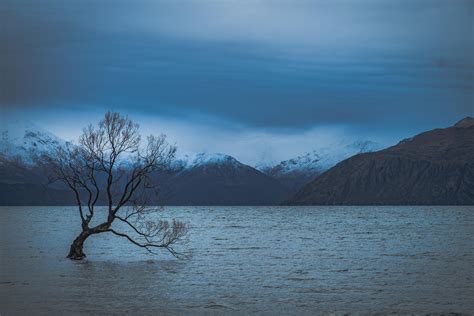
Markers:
point(214, 72)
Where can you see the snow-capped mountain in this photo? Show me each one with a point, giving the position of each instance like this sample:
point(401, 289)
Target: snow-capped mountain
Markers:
point(24, 140)
point(218, 179)
point(324, 158)
point(188, 162)
point(432, 168)
point(299, 170)
point(200, 179)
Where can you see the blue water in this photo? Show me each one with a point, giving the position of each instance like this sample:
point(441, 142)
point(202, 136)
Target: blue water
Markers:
point(266, 260)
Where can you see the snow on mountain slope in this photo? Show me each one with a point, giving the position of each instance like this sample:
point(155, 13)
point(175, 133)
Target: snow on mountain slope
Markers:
point(202, 159)
point(219, 179)
point(23, 139)
point(320, 160)
point(188, 162)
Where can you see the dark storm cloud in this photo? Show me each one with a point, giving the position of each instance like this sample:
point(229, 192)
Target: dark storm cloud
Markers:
point(265, 64)
point(27, 66)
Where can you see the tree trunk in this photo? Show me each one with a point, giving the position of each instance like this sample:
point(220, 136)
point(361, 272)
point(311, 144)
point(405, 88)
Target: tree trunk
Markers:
point(76, 252)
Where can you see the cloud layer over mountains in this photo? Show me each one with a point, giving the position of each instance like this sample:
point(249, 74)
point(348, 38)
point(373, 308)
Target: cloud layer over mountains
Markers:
point(265, 67)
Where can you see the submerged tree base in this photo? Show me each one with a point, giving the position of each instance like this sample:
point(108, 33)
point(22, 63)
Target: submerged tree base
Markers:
point(76, 253)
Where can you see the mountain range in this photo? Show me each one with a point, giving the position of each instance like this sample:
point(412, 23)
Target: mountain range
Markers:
point(432, 168)
point(296, 172)
point(202, 179)
point(218, 179)
point(435, 167)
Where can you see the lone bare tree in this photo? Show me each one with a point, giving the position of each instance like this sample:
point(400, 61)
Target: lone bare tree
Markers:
point(112, 164)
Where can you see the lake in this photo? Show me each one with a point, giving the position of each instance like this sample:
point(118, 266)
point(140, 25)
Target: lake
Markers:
point(265, 260)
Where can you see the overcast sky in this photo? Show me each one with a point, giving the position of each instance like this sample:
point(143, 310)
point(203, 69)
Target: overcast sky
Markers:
point(261, 80)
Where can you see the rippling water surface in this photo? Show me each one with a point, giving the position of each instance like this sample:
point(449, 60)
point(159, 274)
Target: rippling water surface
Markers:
point(268, 260)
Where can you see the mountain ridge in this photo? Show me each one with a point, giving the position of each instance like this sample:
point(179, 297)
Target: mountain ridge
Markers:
point(24, 139)
point(296, 172)
point(203, 179)
point(432, 168)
